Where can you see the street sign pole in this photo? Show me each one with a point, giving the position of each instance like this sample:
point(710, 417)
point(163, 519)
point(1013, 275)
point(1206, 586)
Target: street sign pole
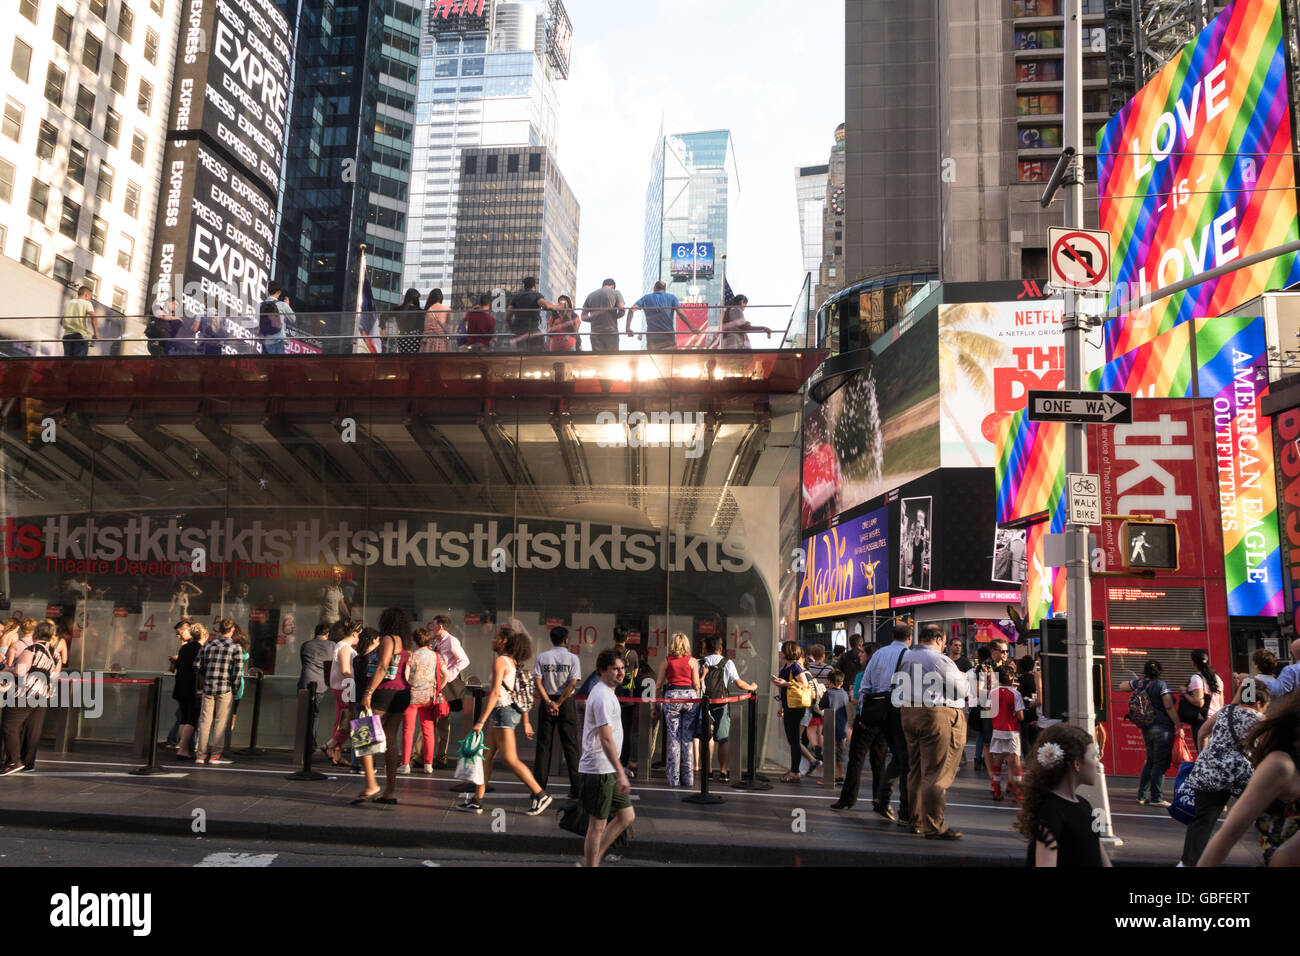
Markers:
point(1082, 710)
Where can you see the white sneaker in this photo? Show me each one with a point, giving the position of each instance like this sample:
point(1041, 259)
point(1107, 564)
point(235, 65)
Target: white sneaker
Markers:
point(428, 768)
point(404, 768)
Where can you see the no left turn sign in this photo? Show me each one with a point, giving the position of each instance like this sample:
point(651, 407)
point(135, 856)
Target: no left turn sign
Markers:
point(1079, 259)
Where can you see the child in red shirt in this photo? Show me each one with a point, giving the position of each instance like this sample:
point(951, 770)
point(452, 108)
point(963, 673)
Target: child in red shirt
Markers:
point(1007, 708)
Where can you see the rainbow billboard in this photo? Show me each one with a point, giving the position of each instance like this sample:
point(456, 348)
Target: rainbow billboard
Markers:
point(1228, 357)
point(1197, 171)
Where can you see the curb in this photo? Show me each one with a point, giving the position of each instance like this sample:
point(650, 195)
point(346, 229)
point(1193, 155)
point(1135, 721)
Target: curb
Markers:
point(667, 851)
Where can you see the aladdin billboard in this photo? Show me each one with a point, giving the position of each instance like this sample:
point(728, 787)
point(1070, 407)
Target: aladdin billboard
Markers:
point(1197, 171)
point(847, 568)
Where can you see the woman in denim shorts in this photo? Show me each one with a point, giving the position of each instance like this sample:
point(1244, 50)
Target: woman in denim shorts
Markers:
point(502, 715)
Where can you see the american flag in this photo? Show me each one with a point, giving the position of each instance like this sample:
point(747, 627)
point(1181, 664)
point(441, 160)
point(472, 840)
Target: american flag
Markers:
point(727, 295)
point(367, 318)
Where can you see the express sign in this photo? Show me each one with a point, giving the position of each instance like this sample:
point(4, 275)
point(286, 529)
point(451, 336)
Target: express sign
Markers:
point(232, 81)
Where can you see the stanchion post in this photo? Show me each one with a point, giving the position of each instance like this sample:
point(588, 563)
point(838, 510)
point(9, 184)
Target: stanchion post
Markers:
point(253, 750)
point(828, 746)
point(644, 745)
point(309, 739)
point(706, 722)
point(155, 697)
point(753, 780)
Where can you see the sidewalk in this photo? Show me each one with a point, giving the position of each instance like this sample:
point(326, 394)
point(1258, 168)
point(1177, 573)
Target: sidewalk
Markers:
point(790, 825)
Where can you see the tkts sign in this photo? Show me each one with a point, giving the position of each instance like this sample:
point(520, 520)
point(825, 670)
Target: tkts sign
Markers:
point(1163, 465)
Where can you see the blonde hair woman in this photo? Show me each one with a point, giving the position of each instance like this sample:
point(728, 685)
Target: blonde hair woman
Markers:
point(679, 678)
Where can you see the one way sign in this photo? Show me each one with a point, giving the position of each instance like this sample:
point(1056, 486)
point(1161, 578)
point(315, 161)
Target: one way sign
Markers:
point(1087, 408)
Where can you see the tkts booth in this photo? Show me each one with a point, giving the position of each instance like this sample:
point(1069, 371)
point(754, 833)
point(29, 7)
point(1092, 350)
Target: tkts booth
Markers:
point(1162, 465)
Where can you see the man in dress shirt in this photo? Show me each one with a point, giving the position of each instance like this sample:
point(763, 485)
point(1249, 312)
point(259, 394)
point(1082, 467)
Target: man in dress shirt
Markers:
point(1288, 678)
point(932, 696)
point(454, 661)
point(874, 736)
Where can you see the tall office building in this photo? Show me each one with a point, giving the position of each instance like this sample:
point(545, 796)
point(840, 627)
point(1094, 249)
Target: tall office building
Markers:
point(516, 217)
point(954, 122)
point(348, 156)
point(810, 196)
point(81, 149)
point(694, 187)
point(831, 269)
point(488, 75)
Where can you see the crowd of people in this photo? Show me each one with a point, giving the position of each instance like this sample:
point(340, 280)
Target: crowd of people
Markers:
point(426, 324)
point(914, 702)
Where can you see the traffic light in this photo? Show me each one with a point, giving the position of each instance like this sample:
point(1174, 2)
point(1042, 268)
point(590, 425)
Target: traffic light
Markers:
point(1149, 545)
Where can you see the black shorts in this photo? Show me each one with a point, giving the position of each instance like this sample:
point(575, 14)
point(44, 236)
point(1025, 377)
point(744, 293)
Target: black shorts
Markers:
point(390, 701)
point(189, 709)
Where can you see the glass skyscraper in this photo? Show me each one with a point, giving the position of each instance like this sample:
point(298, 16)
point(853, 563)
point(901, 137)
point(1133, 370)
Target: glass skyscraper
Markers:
point(693, 189)
point(348, 155)
point(487, 78)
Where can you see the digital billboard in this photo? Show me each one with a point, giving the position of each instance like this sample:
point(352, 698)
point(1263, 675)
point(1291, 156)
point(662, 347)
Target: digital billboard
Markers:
point(847, 568)
point(693, 259)
point(1197, 171)
point(877, 431)
point(990, 355)
point(232, 81)
point(1223, 360)
point(214, 236)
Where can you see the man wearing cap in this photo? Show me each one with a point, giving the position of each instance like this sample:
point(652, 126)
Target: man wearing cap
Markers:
point(603, 308)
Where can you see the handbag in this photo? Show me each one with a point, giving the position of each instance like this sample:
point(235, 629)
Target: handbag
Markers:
point(1183, 806)
point(1182, 752)
point(366, 734)
point(441, 708)
point(1189, 713)
point(797, 695)
point(470, 765)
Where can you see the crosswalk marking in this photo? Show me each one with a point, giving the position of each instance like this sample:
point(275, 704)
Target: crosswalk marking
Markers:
point(238, 859)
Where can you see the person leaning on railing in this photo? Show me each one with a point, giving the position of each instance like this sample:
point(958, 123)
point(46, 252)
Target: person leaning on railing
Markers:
point(79, 325)
point(735, 327)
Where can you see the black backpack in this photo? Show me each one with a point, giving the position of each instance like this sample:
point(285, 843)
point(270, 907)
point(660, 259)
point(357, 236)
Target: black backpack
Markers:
point(269, 321)
point(715, 680)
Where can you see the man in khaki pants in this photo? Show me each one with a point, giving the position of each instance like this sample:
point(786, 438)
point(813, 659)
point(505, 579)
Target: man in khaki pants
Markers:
point(932, 697)
point(219, 665)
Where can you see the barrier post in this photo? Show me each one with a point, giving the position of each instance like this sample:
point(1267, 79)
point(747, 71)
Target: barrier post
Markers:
point(253, 750)
point(706, 722)
point(644, 745)
point(753, 779)
point(309, 739)
point(828, 747)
point(155, 698)
point(479, 692)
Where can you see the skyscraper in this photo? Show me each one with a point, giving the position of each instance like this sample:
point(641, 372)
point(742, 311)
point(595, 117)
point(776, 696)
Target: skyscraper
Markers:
point(810, 196)
point(488, 74)
point(693, 190)
point(81, 146)
point(516, 217)
point(348, 156)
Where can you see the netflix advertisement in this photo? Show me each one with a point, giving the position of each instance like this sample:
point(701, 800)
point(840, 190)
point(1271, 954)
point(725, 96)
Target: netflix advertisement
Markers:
point(1162, 465)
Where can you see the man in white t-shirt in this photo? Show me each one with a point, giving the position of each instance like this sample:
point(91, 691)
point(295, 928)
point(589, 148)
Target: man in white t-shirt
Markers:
point(333, 605)
point(605, 789)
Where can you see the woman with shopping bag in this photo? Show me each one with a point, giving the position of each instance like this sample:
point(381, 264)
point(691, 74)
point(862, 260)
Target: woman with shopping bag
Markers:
point(508, 702)
point(386, 697)
point(1222, 769)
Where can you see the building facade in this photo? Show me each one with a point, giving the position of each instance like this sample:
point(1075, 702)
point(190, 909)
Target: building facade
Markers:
point(810, 199)
point(81, 148)
point(831, 270)
point(348, 156)
point(516, 217)
point(488, 76)
point(694, 186)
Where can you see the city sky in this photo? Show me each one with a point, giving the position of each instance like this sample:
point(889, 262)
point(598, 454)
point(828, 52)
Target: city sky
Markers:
point(772, 73)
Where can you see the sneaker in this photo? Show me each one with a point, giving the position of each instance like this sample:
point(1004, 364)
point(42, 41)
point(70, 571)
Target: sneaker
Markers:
point(539, 803)
point(10, 768)
point(28, 770)
point(428, 768)
point(470, 806)
point(219, 760)
point(404, 768)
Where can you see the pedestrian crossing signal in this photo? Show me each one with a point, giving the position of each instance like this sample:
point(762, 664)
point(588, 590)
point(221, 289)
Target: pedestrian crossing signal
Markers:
point(1149, 545)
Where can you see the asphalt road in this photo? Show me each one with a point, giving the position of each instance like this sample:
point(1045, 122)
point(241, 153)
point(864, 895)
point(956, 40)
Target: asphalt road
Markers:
point(33, 846)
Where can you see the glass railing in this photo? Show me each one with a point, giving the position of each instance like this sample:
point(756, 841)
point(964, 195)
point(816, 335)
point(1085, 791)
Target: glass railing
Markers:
point(695, 328)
